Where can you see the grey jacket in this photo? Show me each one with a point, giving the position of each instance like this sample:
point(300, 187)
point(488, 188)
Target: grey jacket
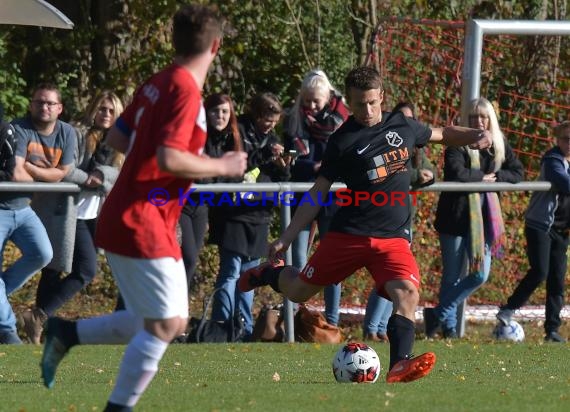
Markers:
point(542, 206)
point(58, 211)
point(85, 163)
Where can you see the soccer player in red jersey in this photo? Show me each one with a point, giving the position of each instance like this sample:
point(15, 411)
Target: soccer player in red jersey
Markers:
point(163, 132)
point(371, 153)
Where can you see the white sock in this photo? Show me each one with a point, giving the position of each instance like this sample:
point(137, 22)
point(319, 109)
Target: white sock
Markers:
point(138, 367)
point(113, 329)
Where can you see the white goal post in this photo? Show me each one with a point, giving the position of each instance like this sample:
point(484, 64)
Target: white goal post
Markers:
point(471, 76)
point(474, 32)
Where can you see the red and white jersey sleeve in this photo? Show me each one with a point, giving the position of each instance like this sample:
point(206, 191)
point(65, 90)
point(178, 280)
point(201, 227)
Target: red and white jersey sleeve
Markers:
point(139, 217)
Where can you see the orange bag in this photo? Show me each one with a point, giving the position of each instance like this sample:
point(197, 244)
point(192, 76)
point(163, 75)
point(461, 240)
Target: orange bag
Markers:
point(311, 326)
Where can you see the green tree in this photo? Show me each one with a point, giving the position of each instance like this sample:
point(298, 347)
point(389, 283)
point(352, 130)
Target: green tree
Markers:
point(273, 43)
point(12, 101)
point(117, 44)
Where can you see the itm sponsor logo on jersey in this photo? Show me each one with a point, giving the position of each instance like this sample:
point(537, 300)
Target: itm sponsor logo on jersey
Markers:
point(391, 162)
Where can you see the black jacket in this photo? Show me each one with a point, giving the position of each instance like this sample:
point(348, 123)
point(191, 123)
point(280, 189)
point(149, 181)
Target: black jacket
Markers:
point(452, 215)
point(216, 145)
point(244, 229)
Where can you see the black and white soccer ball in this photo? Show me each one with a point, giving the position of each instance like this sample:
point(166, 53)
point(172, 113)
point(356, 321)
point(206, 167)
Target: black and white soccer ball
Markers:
point(513, 332)
point(356, 362)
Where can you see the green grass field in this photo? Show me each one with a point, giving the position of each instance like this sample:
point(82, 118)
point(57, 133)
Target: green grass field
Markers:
point(483, 376)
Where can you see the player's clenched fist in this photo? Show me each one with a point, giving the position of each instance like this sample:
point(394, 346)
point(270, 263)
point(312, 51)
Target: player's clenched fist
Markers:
point(485, 140)
point(235, 163)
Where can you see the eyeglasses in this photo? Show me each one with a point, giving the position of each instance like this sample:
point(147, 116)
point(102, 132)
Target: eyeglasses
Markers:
point(41, 103)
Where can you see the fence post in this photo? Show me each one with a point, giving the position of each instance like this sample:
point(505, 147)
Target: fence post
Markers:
point(285, 212)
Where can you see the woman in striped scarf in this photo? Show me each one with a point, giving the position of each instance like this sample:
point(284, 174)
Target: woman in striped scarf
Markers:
point(470, 225)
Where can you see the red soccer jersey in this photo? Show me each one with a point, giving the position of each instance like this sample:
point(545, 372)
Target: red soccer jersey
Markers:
point(166, 111)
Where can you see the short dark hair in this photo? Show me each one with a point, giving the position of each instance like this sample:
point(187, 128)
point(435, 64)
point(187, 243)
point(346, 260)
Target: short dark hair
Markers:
point(47, 86)
point(362, 78)
point(265, 104)
point(560, 128)
point(194, 28)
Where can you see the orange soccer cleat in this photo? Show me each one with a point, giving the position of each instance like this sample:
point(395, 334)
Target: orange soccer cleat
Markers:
point(412, 368)
point(252, 278)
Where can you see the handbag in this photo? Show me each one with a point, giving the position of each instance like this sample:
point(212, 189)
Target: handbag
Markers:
point(269, 326)
point(311, 326)
point(204, 330)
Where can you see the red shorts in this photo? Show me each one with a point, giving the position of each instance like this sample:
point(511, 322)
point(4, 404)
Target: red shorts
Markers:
point(339, 255)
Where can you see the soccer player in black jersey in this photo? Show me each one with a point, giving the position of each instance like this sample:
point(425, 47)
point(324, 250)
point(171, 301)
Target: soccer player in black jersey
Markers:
point(371, 153)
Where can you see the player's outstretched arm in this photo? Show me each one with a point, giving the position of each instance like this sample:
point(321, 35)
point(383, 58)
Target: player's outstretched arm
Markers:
point(304, 215)
point(462, 136)
point(307, 211)
point(189, 166)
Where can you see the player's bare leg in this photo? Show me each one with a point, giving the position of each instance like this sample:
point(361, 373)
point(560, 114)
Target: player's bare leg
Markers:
point(295, 288)
point(283, 279)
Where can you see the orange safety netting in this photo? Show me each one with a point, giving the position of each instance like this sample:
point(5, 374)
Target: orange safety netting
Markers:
point(422, 61)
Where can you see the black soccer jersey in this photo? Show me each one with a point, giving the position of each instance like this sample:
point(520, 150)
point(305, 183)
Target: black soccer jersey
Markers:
point(374, 162)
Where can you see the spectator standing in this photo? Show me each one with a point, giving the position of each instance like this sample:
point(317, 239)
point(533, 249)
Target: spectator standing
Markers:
point(241, 231)
point(164, 132)
point(95, 170)
point(547, 225)
point(44, 153)
point(223, 136)
point(423, 173)
point(318, 111)
point(470, 225)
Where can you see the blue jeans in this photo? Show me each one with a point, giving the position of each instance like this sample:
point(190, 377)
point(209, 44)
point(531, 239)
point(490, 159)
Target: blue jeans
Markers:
point(26, 231)
point(231, 266)
point(453, 290)
point(378, 311)
point(299, 251)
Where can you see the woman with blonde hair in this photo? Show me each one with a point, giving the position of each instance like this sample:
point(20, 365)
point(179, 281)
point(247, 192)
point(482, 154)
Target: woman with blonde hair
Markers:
point(96, 169)
point(318, 111)
point(99, 117)
point(470, 225)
